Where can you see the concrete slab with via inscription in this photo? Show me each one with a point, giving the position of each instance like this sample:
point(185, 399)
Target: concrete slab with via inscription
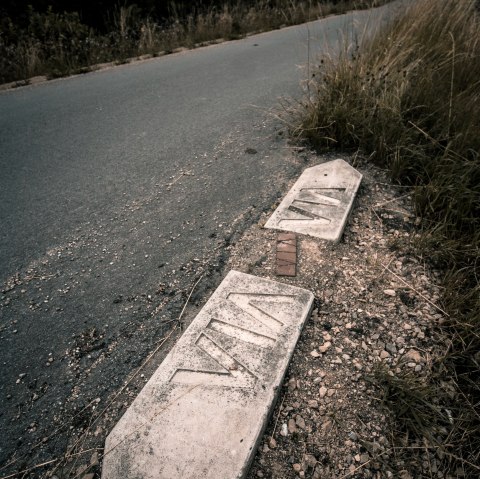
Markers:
point(320, 201)
point(205, 408)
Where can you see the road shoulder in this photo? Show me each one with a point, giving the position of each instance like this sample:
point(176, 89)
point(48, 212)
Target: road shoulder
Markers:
point(375, 310)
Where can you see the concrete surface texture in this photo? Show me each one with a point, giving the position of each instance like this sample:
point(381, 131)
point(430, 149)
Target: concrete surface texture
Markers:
point(320, 201)
point(204, 409)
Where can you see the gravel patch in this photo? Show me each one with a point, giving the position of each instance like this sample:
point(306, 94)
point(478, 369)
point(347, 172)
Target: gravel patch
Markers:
point(376, 304)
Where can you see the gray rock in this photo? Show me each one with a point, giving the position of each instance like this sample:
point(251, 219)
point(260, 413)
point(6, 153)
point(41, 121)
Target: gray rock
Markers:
point(353, 436)
point(391, 348)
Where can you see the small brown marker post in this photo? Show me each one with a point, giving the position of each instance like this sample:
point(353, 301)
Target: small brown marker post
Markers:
point(286, 254)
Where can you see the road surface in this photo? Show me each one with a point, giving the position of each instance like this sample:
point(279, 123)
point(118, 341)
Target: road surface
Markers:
point(118, 190)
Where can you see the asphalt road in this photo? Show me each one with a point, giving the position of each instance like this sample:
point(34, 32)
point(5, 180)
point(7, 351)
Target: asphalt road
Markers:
point(118, 189)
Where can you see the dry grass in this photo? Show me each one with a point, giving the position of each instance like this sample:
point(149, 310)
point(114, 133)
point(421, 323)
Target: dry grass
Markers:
point(59, 44)
point(408, 98)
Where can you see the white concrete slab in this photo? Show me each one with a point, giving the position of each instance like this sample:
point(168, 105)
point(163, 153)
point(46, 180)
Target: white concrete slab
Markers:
point(320, 201)
point(203, 411)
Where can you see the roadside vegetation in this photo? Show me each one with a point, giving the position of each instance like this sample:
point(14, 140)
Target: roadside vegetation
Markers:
point(408, 99)
point(58, 43)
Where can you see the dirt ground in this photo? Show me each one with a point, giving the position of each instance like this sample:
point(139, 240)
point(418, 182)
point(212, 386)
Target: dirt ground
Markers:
point(376, 304)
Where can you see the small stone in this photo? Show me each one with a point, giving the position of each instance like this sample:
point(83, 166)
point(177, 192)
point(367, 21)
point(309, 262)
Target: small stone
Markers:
point(327, 426)
point(292, 427)
point(323, 391)
point(353, 436)
point(272, 443)
point(90, 475)
point(331, 392)
point(391, 348)
point(357, 364)
point(313, 403)
point(364, 458)
point(260, 474)
point(383, 440)
point(414, 355)
point(315, 354)
point(376, 447)
point(300, 422)
point(389, 292)
point(297, 467)
point(384, 355)
point(325, 347)
point(94, 459)
point(292, 384)
point(310, 460)
point(284, 430)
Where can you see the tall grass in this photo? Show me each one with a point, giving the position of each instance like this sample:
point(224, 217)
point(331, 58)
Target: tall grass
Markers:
point(57, 44)
point(409, 98)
